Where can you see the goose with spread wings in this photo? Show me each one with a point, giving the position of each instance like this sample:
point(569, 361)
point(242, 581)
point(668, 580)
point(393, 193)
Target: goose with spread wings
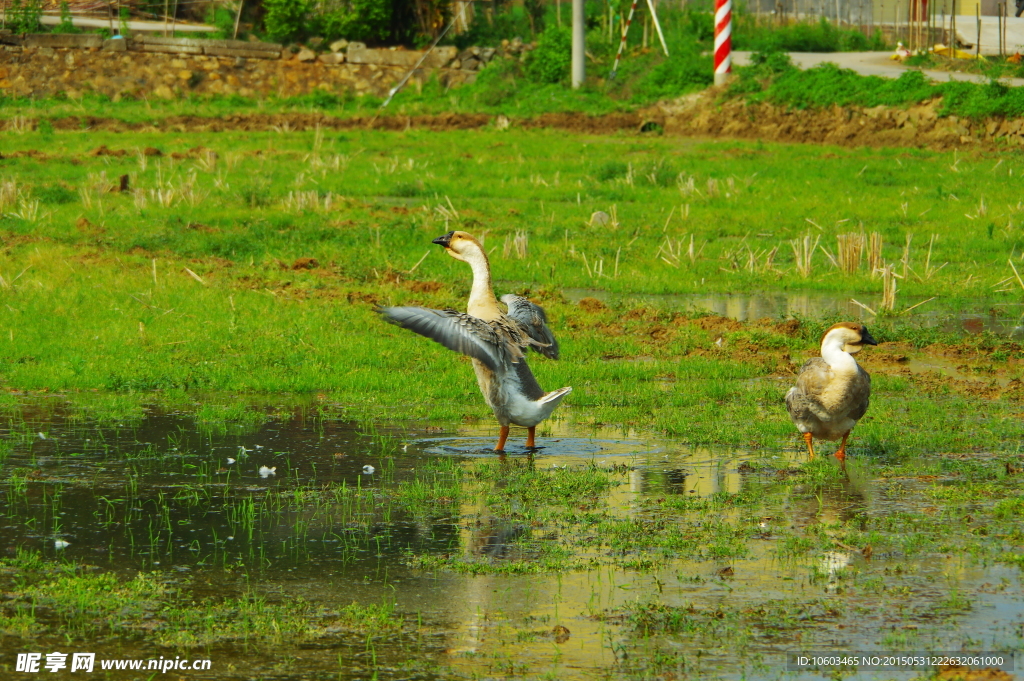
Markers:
point(832, 391)
point(496, 341)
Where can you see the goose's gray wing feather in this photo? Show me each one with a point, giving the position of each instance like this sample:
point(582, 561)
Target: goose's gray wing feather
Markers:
point(862, 390)
point(456, 331)
point(802, 401)
point(534, 322)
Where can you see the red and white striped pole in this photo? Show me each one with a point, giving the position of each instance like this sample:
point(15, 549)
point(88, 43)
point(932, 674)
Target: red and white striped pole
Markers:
point(622, 43)
point(723, 40)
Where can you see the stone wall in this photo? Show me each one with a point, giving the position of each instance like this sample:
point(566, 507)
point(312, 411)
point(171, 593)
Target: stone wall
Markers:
point(169, 68)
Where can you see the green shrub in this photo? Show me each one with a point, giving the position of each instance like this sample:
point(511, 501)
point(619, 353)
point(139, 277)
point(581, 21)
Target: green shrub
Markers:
point(804, 37)
point(23, 15)
point(494, 83)
point(550, 61)
point(223, 19)
point(981, 101)
point(489, 32)
point(365, 20)
point(772, 78)
point(65, 25)
point(285, 20)
point(685, 70)
point(699, 25)
point(827, 84)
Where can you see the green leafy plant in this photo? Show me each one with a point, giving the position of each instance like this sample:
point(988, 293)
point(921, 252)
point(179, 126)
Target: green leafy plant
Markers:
point(285, 20)
point(549, 62)
point(365, 20)
point(66, 25)
point(23, 15)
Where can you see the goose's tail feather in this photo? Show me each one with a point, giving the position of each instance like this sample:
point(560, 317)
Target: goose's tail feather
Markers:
point(555, 395)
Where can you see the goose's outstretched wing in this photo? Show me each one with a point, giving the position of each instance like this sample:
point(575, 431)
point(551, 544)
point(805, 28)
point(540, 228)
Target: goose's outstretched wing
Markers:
point(534, 322)
point(457, 331)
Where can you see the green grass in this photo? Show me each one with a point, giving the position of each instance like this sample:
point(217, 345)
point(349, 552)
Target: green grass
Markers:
point(994, 67)
point(775, 81)
point(80, 606)
point(259, 272)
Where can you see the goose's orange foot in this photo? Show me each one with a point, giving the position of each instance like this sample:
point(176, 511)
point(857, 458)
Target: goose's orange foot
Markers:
point(841, 453)
point(809, 439)
point(529, 437)
point(502, 436)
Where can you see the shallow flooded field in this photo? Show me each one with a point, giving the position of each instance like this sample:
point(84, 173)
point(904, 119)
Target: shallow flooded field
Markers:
point(304, 546)
point(213, 448)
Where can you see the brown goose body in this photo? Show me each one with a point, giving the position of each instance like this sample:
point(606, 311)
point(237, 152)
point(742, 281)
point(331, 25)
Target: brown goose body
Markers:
point(832, 392)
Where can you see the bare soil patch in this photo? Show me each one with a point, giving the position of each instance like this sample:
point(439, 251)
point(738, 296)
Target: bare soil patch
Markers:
point(702, 114)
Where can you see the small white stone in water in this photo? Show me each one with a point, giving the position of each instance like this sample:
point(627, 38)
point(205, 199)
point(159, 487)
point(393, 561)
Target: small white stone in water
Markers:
point(259, 447)
point(60, 544)
point(368, 469)
point(230, 460)
point(41, 436)
point(266, 471)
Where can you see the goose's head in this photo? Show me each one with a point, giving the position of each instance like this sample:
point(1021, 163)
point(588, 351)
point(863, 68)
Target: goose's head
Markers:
point(460, 245)
point(850, 336)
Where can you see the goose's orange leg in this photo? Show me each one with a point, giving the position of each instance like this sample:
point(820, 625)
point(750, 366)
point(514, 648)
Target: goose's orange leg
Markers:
point(808, 438)
point(841, 452)
point(529, 437)
point(502, 436)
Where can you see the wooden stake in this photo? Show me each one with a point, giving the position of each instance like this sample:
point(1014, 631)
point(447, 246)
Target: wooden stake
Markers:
point(999, 12)
point(977, 14)
point(238, 18)
point(952, 24)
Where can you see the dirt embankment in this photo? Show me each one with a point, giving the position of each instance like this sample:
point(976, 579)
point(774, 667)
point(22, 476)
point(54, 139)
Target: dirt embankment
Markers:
point(700, 115)
point(918, 126)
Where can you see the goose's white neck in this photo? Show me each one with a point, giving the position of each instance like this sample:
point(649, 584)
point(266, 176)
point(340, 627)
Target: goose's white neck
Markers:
point(835, 356)
point(482, 303)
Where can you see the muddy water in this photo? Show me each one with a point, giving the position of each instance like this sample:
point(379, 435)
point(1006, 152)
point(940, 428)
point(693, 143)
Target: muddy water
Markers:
point(971, 317)
point(164, 495)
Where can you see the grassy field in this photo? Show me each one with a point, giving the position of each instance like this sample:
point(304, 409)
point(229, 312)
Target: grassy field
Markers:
point(252, 262)
point(240, 270)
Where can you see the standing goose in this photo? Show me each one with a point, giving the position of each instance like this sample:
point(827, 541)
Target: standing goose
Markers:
point(494, 340)
point(832, 391)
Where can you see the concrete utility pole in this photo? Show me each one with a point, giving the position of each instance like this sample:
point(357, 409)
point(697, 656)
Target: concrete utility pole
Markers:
point(579, 66)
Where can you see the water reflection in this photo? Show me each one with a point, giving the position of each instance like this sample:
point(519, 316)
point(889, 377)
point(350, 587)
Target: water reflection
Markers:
point(163, 494)
point(998, 316)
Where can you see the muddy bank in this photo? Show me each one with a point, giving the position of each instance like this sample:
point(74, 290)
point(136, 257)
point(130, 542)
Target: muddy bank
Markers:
point(705, 114)
point(699, 115)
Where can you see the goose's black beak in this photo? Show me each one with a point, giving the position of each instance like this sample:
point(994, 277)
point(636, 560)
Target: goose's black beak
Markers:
point(444, 240)
point(865, 337)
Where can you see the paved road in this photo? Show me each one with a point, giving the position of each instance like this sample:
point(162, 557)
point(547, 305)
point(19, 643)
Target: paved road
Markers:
point(872, 64)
